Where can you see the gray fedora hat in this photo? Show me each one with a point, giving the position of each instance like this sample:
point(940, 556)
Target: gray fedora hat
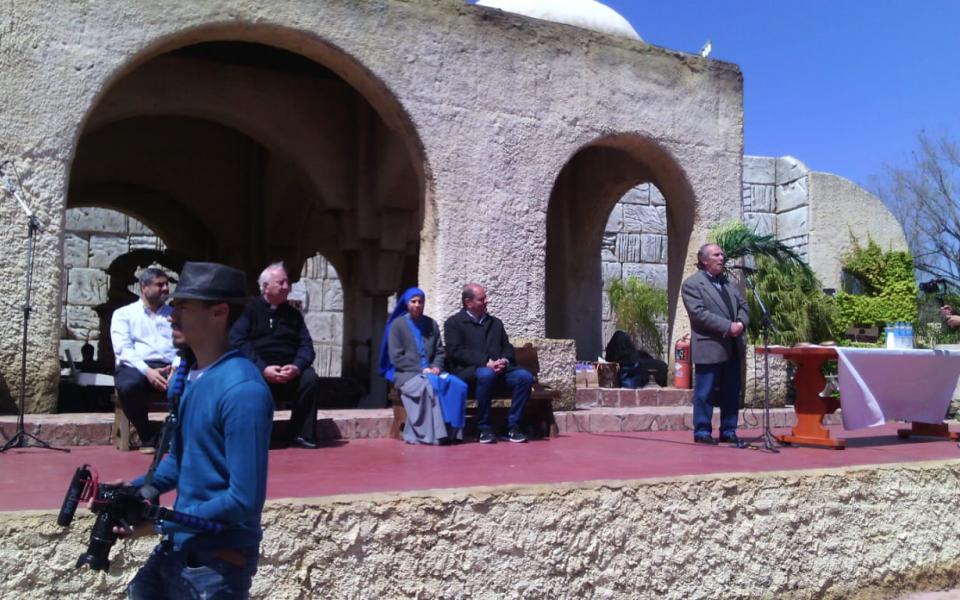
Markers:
point(211, 281)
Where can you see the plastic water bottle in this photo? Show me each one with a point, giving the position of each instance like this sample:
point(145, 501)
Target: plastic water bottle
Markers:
point(889, 333)
point(909, 344)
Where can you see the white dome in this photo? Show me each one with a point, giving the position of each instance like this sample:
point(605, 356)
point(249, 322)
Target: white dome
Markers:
point(588, 14)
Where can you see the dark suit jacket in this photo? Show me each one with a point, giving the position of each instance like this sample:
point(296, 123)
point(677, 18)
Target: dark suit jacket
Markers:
point(710, 319)
point(470, 344)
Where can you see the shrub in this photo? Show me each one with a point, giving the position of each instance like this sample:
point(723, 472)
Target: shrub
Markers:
point(639, 308)
point(889, 286)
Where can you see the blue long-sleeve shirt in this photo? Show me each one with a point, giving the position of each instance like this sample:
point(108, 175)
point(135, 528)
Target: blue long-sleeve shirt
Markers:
point(218, 458)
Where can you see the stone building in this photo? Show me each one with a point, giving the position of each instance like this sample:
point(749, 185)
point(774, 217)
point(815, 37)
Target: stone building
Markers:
point(424, 141)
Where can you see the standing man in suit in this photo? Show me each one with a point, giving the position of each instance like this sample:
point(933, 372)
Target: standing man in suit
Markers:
point(719, 317)
point(479, 353)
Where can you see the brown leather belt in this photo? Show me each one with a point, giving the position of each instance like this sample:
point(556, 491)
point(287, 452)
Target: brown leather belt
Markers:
point(231, 557)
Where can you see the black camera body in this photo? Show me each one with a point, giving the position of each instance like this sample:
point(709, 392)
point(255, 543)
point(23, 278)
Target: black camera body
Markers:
point(933, 286)
point(116, 505)
point(936, 286)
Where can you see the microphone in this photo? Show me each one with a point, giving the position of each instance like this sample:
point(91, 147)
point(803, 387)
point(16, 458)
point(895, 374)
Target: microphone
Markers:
point(747, 270)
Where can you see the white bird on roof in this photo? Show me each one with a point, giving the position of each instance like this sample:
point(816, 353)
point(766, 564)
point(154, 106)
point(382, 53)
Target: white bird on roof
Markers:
point(707, 48)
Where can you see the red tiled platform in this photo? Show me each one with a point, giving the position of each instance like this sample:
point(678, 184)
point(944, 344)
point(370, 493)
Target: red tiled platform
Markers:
point(37, 479)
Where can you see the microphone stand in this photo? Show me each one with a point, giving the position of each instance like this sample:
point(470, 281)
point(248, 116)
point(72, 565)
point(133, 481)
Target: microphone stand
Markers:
point(22, 438)
point(769, 441)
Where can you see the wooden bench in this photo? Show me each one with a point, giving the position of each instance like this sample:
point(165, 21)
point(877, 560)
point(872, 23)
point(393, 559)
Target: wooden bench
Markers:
point(156, 402)
point(537, 419)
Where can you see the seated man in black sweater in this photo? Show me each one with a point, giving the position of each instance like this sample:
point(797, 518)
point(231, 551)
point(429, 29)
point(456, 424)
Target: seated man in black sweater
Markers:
point(274, 336)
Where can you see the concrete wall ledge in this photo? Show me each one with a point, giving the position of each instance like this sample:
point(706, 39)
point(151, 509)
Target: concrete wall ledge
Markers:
point(856, 532)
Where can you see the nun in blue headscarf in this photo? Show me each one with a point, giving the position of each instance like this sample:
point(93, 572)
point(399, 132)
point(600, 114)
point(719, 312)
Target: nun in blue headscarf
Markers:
point(411, 356)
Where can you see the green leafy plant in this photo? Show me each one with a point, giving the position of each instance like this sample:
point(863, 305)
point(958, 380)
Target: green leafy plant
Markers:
point(800, 311)
point(639, 308)
point(888, 284)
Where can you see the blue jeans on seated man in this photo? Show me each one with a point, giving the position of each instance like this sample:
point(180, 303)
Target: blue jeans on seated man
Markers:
point(170, 573)
point(726, 377)
point(516, 380)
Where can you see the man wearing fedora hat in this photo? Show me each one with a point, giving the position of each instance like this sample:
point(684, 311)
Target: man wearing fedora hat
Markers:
point(218, 453)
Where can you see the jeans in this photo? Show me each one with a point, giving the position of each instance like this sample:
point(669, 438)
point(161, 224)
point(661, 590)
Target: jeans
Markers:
point(726, 377)
point(517, 380)
point(175, 574)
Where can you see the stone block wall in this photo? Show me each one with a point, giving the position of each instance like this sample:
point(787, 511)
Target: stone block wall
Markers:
point(93, 238)
point(776, 200)
point(323, 312)
point(556, 358)
point(858, 532)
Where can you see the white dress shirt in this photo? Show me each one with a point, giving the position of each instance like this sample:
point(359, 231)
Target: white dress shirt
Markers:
point(139, 334)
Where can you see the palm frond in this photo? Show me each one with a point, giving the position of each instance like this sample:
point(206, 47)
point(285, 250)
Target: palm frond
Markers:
point(738, 241)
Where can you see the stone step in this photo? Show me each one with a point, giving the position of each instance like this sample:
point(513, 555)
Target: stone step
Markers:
point(665, 418)
point(86, 429)
point(624, 398)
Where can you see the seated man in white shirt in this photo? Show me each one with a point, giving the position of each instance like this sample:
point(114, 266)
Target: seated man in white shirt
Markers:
point(143, 346)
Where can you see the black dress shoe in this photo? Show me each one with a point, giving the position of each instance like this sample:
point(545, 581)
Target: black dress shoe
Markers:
point(733, 440)
point(704, 439)
point(304, 443)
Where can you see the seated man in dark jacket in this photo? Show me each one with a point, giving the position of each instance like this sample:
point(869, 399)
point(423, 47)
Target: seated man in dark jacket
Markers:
point(274, 336)
point(479, 352)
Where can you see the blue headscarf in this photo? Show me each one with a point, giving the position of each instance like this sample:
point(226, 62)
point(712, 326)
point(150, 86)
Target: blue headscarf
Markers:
point(400, 310)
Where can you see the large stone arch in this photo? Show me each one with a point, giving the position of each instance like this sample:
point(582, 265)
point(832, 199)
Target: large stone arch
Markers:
point(587, 188)
point(265, 154)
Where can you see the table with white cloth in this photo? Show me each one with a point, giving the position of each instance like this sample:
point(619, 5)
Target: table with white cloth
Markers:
point(876, 386)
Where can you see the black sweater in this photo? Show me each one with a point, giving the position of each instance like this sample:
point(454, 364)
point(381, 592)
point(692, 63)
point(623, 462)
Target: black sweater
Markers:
point(273, 336)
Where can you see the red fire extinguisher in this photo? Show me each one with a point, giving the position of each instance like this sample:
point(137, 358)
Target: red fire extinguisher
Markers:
point(682, 376)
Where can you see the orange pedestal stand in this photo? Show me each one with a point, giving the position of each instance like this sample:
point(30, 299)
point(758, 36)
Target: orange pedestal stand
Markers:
point(809, 406)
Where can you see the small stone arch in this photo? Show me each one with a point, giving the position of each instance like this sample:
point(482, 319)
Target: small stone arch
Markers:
point(585, 192)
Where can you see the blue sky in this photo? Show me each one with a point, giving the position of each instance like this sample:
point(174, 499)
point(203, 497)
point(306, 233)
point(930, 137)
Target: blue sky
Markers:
point(842, 85)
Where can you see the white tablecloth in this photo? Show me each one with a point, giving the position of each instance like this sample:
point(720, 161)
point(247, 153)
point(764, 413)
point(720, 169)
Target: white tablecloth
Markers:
point(878, 385)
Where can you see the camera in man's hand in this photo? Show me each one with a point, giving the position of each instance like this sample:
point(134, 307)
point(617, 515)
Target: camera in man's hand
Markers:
point(114, 505)
point(117, 506)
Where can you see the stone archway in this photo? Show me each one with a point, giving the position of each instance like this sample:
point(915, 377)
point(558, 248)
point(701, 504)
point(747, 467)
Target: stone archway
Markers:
point(585, 193)
point(247, 153)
